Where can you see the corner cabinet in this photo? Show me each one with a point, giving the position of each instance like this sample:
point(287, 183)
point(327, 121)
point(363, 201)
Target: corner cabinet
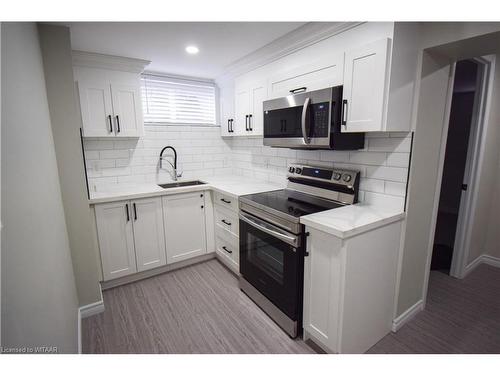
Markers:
point(349, 288)
point(184, 220)
point(109, 92)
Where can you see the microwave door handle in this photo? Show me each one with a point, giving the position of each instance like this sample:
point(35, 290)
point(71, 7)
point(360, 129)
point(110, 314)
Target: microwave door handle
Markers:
point(303, 122)
point(266, 229)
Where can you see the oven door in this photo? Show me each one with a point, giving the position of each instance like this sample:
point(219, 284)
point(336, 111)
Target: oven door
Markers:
point(300, 120)
point(271, 260)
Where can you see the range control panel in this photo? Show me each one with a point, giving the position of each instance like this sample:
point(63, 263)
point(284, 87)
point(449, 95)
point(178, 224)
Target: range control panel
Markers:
point(334, 176)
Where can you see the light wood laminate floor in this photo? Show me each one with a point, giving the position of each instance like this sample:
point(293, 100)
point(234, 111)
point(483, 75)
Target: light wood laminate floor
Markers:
point(200, 309)
point(461, 316)
point(197, 309)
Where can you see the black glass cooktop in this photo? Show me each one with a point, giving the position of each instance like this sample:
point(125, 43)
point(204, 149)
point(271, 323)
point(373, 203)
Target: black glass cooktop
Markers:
point(291, 202)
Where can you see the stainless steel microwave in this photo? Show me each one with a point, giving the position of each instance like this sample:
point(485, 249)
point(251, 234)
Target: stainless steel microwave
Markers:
point(309, 120)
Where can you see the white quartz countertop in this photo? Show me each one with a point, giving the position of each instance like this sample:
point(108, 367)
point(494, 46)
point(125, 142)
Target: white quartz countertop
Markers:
point(352, 220)
point(232, 185)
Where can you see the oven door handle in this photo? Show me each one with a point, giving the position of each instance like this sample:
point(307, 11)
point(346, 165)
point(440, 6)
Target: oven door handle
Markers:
point(269, 229)
point(307, 140)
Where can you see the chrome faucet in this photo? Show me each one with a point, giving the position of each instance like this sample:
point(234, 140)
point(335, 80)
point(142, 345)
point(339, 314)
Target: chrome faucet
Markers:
point(174, 166)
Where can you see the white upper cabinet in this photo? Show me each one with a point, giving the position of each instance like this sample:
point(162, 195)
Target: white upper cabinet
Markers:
point(127, 109)
point(365, 82)
point(226, 95)
point(325, 72)
point(116, 239)
point(249, 96)
point(185, 231)
point(109, 90)
point(148, 233)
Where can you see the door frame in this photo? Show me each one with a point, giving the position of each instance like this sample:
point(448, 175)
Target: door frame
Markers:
point(475, 153)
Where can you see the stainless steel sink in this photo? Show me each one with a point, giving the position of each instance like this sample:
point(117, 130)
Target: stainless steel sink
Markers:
point(181, 184)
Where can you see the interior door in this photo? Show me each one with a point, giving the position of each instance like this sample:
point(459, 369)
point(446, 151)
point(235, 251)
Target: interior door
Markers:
point(242, 110)
point(127, 110)
point(184, 220)
point(148, 233)
point(258, 95)
point(96, 108)
point(365, 80)
point(116, 240)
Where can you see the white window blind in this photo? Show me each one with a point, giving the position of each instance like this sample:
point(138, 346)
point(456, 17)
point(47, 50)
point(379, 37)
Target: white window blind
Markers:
point(176, 101)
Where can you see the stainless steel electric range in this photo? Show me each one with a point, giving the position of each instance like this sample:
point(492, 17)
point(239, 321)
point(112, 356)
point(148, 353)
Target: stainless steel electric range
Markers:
point(273, 242)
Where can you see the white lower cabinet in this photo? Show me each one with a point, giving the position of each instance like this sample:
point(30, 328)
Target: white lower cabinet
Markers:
point(349, 288)
point(184, 221)
point(149, 238)
point(116, 239)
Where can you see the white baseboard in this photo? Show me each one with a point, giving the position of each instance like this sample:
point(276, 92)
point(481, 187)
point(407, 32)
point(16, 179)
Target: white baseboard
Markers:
point(86, 311)
point(407, 316)
point(482, 259)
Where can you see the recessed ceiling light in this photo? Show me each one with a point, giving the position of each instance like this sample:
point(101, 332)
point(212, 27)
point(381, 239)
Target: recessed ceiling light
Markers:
point(192, 50)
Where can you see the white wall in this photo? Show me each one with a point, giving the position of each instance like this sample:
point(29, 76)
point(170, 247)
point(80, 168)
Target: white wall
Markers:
point(66, 123)
point(39, 306)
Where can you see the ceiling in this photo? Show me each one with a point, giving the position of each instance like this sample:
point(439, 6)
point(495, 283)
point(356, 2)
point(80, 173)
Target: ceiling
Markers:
point(163, 43)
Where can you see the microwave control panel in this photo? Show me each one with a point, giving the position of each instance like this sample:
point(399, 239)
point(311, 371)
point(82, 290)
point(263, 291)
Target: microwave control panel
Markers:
point(321, 115)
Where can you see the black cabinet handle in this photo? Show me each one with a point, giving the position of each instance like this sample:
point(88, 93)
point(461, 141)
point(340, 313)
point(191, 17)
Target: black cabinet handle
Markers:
point(135, 212)
point(344, 112)
point(202, 207)
point(117, 123)
point(225, 201)
point(201, 195)
point(226, 250)
point(228, 125)
point(226, 222)
point(298, 89)
point(126, 210)
point(246, 122)
point(250, 123)
point(110, 124)
point(232, 130)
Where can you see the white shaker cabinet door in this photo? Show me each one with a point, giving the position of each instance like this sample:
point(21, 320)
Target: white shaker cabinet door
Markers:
point(127, 109)
point(365, 82)
point(116, 240)
point(256, 120)
point(148, 233)
point(323, 286)
point(96, 107)
point(184, 220)
point(241, 111)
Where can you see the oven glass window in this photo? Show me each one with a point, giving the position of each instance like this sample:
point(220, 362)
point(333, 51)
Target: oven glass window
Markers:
point(266, 255)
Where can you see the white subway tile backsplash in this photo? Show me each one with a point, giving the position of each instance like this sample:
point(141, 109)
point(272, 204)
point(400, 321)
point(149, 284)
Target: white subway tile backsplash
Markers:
point(383, 163)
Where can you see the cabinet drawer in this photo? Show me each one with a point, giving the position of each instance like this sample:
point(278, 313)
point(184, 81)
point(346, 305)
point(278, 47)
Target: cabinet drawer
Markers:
point(227, 220)
point(227, 201)
point(228, 251)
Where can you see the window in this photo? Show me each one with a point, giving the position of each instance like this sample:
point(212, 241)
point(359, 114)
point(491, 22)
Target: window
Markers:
point(169, 100)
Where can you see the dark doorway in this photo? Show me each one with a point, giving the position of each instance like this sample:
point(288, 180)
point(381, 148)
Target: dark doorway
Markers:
point(457, 144)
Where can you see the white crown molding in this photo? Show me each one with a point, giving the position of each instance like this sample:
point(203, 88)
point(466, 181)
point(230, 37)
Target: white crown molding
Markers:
point(304, 36)
point(100, 61)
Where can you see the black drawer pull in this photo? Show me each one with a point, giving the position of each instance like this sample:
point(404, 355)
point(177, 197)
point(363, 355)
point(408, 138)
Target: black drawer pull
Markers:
point(298, 89)
point(126, 210)
point(226, 222)
point(225, 201)
point(226, 250)
point(110, 124)
point(135, 212)
point(117, 124)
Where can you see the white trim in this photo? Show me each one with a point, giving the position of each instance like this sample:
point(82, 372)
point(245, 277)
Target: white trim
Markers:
point(437, 192)
point(92, 308)
point(482, 259)
point(408, 315)
point(475, 155)
point(79, 332)
point(101, 61)
point(302, 37)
